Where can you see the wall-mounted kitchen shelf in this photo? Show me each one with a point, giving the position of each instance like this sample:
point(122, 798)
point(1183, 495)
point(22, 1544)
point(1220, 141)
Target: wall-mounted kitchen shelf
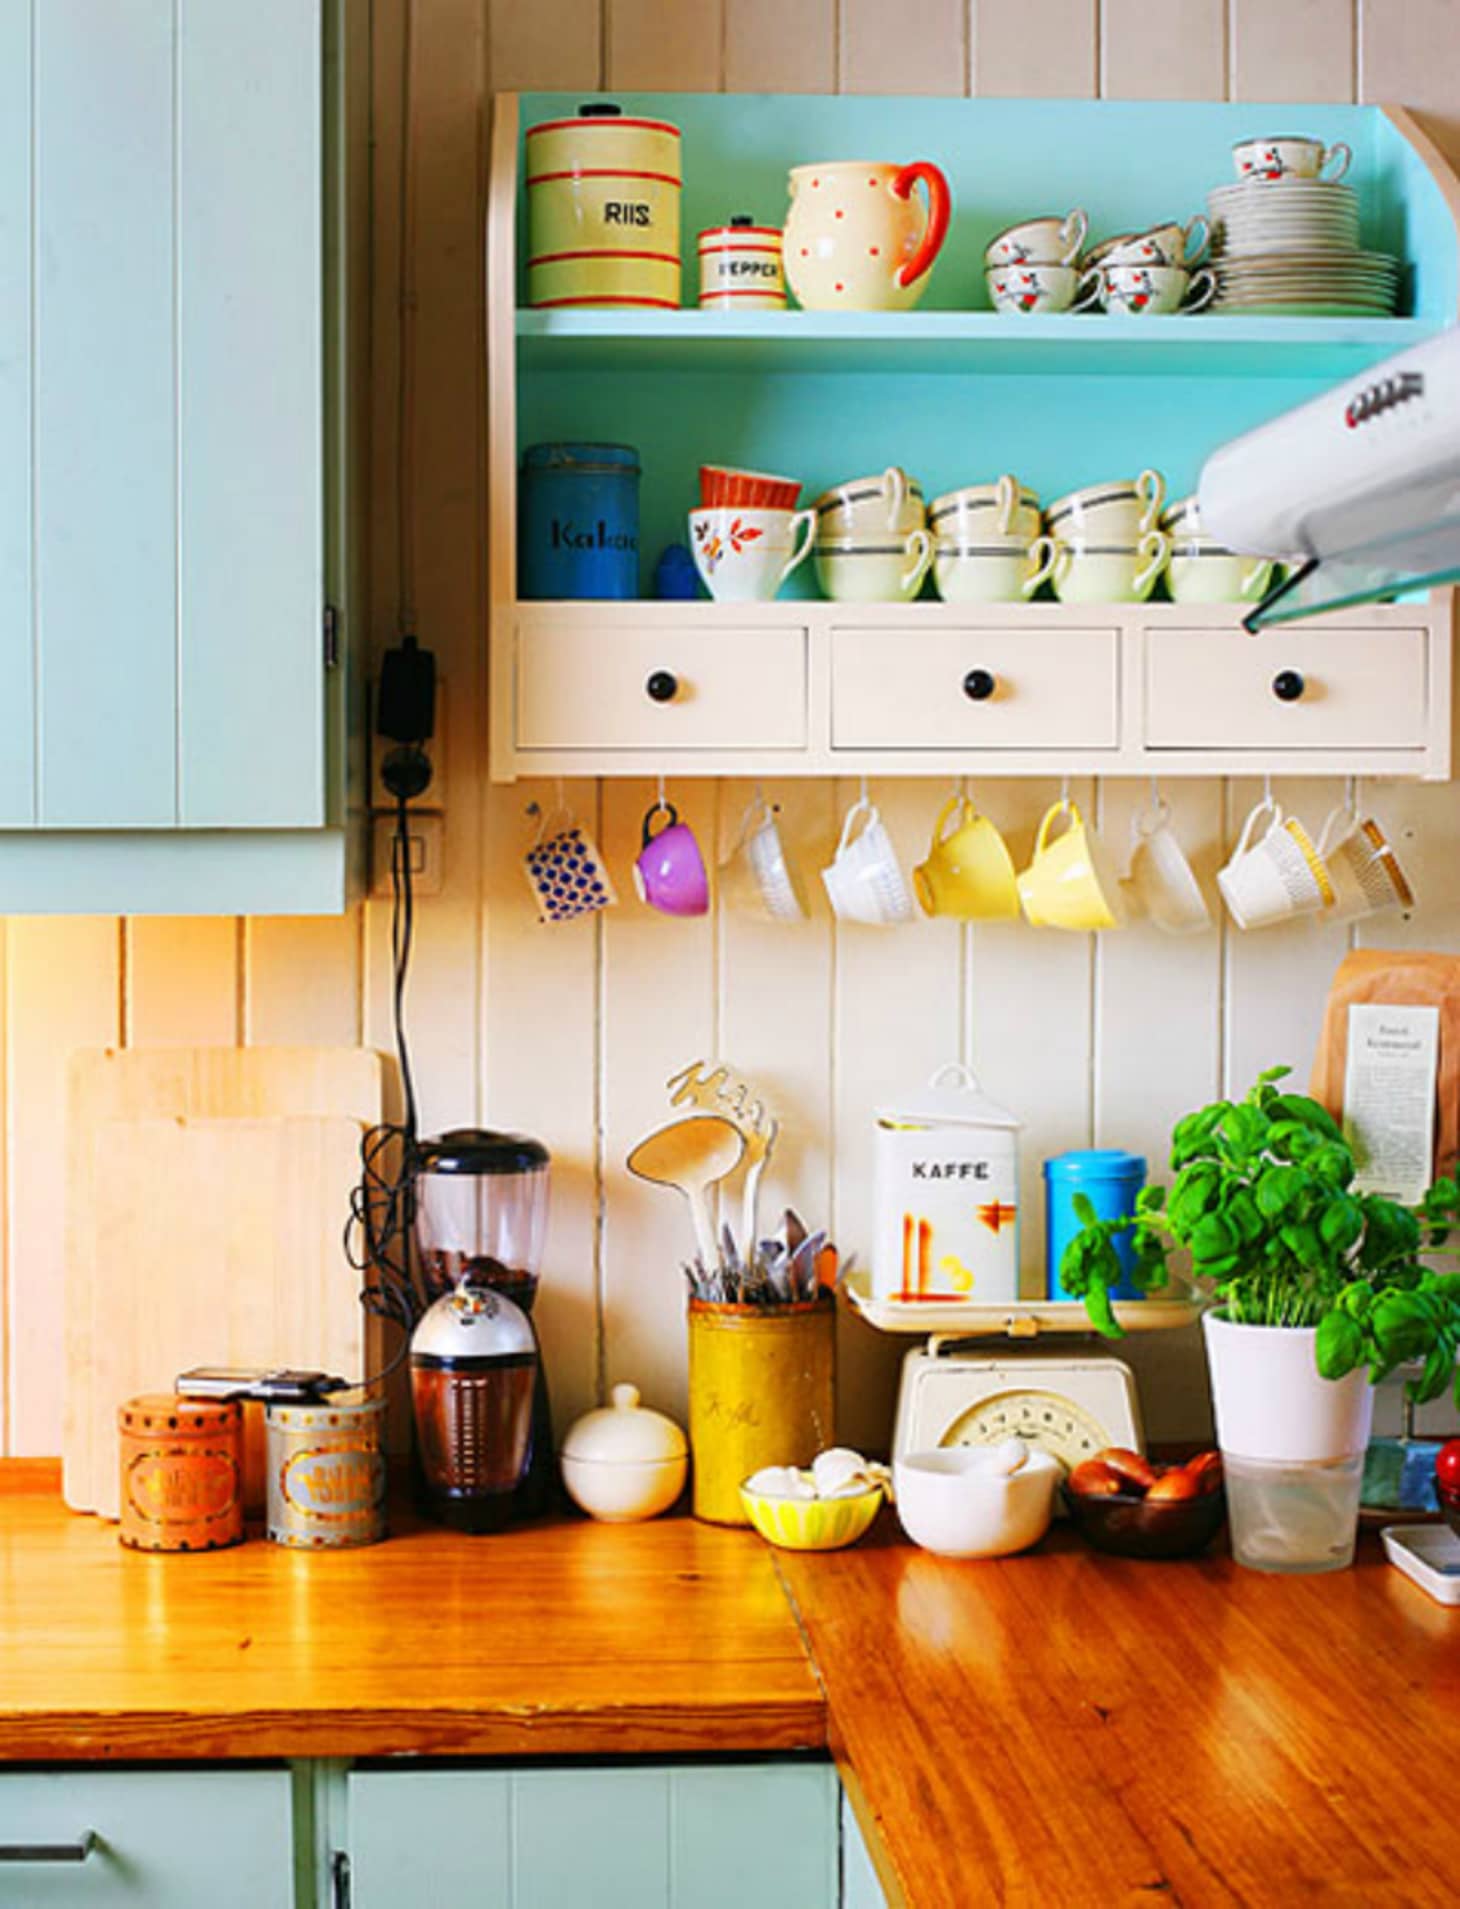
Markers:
point(955, 394)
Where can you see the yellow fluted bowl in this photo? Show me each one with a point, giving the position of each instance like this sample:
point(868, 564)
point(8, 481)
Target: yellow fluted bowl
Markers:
point(811, 1524)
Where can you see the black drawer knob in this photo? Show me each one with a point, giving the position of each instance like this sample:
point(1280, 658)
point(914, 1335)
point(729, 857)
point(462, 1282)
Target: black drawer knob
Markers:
point(1288, 685)
point(662, 686)
point(979, 685)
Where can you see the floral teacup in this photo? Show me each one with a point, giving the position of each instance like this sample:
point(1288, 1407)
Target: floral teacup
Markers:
point(744, 556)
point(1152, 290)
point(1170, 244)
point(1039, 288)
point(1051, 241)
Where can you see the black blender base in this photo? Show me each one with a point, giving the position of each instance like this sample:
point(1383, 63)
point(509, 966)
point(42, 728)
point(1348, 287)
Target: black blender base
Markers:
point(475, 1515)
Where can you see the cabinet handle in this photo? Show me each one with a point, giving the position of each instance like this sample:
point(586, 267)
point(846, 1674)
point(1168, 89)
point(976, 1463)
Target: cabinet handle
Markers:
point(662, 686)
point(979, 685)
point(1288, 685)
point(76, 1852)
point(340, 1893)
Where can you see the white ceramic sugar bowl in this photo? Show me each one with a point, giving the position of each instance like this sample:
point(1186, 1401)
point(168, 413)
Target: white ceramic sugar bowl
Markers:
point(624, 1462)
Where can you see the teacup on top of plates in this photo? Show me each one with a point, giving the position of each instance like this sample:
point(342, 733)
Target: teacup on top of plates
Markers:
point(995, 570)
point(1275, 873)
point(969, 873)
point(723, 486)
point(888, 500)
point(1362, 866)
point(1290, 156)
point(886, 570)
point(1119, 510)
point(1069, 882)
point(1087, 571)
point(1168, 244)
point(1005, 508)
point(1152, 290)
point(1039, 288)
point(1161, 882)
point(1053, 240)
point(865, 882)
point(744, 556)
point(760, 869)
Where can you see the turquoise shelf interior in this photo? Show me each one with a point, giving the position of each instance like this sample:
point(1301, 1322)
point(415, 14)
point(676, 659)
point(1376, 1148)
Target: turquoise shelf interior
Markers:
point(951, 391)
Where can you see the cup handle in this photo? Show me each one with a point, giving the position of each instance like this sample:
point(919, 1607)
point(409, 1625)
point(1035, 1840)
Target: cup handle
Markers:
point(894, 486)
point(1063, 808)
point(1204, 287)
point(1255, 583)
point(666, 809)
point(1072, 235)
point(1043, 554)
point(1148, 819)
point(1335, 826)
point(1059, 567)
point(1343, 154)
point(1244, 841)
point(919, 547)
point(807, 520)
point(860, 808)
point(1155, 548)
point(940, 210)
point(1087, 292)
point(1006, 492)
point(958, 802)
point(1152, 486)
point(1193, 248)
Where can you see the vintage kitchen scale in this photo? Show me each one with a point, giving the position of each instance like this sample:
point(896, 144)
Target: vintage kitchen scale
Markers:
point(945, 1264)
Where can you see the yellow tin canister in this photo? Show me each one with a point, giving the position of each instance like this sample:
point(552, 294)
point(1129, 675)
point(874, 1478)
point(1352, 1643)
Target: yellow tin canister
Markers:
point(603, 193)
point(182, 1466)
point(740, 267)
point(327, 1472)
point(762, 1391)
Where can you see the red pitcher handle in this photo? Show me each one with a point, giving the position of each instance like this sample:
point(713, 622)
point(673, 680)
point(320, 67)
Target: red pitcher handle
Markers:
point(940, 208)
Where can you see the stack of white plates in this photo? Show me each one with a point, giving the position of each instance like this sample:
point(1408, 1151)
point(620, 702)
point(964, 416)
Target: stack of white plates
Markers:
point(1292, 245)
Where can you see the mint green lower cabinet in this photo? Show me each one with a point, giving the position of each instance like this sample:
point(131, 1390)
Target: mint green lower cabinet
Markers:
point(639, 1837)
point(164, 1839)
point(860, 1887)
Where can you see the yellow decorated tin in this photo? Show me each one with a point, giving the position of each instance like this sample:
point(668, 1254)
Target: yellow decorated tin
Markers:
point(327, 1472)
point(603, 193)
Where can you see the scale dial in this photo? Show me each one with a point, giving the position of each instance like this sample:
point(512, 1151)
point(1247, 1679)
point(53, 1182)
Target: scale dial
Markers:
point(1065, 1430)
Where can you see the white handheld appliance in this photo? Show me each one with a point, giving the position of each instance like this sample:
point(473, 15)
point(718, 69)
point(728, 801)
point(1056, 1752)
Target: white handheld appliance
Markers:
point(1364, 480)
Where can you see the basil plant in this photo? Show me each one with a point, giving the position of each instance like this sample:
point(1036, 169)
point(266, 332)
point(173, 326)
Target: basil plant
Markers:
point(1263, 1200)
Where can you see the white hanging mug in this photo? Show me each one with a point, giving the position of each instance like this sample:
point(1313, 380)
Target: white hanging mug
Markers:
point(1275, 876)
point(1367, 878)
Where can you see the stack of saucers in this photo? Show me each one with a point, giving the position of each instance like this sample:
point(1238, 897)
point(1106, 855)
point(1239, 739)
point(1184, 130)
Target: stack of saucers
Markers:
point(872, 545)
point(1292, 245)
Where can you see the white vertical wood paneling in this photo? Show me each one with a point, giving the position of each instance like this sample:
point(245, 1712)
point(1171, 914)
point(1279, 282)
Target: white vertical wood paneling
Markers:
point(1035, 48)
point(658, 1014)
point(919, 47)
point(106, 557)
point(250, 388)
point(1303, 49)
point(1176, 51)
point(301, 979)
point(663, 46)
point(780, 46)
point(182, 981)
point(1409, 53)
point(17, 661)
point(551, 43)
point(62, 992)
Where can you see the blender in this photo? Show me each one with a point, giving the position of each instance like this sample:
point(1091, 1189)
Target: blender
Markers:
point(484, 1431)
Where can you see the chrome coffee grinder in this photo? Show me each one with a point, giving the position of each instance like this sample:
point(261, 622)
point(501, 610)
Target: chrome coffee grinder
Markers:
point(483, 1428)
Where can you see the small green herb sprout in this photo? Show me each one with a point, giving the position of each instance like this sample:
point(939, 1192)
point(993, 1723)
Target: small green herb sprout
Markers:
point(1263, 1202)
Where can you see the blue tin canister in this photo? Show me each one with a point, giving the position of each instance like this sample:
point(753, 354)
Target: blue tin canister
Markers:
point(578, 521)
point(1110, 1178)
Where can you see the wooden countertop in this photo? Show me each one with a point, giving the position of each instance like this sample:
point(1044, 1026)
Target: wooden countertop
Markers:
point(561, 1638)
point(1065, 1729)
point(1058, 1728)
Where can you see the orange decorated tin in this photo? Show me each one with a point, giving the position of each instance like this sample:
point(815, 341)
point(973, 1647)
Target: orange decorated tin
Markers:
point(182, 1473)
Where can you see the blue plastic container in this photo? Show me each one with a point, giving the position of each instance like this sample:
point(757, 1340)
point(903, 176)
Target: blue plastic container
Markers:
point(1110, 1178)
point(578, 522)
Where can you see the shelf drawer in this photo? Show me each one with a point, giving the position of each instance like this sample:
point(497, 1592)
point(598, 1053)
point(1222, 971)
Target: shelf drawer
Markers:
point(975, 688)
point(585, 688)
point(1287, 689)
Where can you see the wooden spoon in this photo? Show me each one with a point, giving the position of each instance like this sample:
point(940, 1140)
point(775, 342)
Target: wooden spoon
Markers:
point(691, 1155)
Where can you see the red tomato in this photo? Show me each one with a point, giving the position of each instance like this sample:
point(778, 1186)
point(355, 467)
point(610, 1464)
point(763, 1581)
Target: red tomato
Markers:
point(1447, 1466)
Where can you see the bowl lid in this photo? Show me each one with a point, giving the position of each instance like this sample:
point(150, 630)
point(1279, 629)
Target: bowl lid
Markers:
point(952, 1097)
point(625, 1432)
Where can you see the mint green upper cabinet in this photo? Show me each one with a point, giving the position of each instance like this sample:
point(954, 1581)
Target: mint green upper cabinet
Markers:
point(173, 185)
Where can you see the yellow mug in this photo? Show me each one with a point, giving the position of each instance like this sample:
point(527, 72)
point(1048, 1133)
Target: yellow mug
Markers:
point(1069, 884)
point(969, 873)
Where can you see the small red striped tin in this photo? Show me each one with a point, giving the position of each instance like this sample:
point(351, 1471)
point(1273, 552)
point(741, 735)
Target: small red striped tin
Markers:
point(740, 267)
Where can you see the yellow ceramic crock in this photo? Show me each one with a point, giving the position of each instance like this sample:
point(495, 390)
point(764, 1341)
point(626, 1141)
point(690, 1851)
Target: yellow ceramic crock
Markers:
point(603, 194)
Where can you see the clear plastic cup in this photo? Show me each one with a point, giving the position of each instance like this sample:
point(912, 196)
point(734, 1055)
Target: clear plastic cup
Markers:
point(1293, 1517)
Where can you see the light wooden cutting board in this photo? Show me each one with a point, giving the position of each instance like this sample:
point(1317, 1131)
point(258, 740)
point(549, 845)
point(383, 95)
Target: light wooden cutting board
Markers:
point(207, 1194)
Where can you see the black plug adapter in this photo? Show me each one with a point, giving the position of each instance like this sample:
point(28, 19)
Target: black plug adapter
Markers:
point(405, 701)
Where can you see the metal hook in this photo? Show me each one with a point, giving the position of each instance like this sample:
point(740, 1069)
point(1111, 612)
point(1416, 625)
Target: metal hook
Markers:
point(1267, 791)
point(662, 804)
point(560, 799)
point(1064, 791)
point(865, 797)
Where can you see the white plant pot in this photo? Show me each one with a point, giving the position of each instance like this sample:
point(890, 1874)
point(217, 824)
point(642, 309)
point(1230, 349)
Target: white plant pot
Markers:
point(1272, 1403)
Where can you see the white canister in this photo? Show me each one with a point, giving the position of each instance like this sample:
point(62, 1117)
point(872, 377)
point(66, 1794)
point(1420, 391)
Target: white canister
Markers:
point(740, 267)
point(946, 1196)
point(624, 1462)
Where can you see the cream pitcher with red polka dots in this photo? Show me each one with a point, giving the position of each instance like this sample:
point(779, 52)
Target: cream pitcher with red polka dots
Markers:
point(859, 238)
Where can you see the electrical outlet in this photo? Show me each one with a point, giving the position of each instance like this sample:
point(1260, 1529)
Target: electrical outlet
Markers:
point(434, 797)
point(426, 842)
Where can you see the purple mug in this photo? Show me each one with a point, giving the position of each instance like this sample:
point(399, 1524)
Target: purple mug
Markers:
point(670, 872)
